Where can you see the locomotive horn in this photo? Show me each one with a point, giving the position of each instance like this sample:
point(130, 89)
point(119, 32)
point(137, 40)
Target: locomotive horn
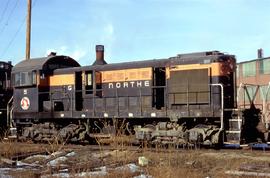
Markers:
point(99, 55)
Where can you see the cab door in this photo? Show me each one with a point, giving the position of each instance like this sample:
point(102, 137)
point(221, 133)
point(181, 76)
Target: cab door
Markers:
point(88, 90)
point(159, 84)
point(78, 91)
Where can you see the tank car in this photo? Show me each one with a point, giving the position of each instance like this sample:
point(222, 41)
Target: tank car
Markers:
point(185, 99)
point(5, 95)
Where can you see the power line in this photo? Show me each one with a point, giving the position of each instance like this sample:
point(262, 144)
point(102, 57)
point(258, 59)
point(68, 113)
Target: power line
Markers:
point(5, 9)
point(14, 7)
point(15, 35)
point(9, 16)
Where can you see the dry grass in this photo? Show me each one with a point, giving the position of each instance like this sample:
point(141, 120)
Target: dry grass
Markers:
point(13, 148)
point(169, 163)
point(196, 163)
point(24, 173)
point(122, 174)
point(56, 144)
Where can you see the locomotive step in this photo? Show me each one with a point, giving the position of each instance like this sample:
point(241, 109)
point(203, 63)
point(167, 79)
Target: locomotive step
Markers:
point(233, 136)
point(235, 124)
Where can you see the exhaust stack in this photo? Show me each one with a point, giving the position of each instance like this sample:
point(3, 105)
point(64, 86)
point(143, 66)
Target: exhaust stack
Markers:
point(260, 53)
point(99, 55)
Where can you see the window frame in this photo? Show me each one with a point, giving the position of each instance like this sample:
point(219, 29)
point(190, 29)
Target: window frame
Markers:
point(30, 78)
point(88, 88)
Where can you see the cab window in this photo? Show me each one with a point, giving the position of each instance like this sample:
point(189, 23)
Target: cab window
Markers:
point(25, 79)
point(2, 80)
point(89, 82)
point(1, 84)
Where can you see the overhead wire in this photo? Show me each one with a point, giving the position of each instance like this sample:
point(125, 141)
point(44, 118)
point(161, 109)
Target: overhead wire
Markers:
point(12, 11)
point(9, 16)
point(13, 38)
point(16, 33)
point(4, 11)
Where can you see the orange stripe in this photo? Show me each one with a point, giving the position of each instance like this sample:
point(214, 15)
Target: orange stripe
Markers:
point(63, 79)
point(127, 75)
point(214, 69)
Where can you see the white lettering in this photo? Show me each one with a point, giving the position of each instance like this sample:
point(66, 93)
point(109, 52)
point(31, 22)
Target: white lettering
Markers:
point(118, 85)
point(146, 83)
point(132, 84)
point(125, 85)
point(139, 84)
point(110, 85)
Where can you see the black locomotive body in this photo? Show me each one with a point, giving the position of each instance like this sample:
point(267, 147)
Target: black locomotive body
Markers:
point(5, 94)
point(182, 99)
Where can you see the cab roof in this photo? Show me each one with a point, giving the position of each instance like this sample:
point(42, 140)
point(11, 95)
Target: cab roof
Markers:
point(46, 63)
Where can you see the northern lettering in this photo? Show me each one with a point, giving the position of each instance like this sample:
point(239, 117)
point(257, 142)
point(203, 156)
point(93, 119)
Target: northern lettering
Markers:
point(130, 84)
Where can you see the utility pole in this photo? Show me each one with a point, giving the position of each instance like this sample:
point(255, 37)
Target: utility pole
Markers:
point(28, 30)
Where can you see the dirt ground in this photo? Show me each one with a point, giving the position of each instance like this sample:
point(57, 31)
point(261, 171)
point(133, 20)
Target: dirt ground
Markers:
point(57, 160)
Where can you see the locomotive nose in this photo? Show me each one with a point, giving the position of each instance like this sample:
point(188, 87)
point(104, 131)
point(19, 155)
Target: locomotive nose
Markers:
point(99, 55)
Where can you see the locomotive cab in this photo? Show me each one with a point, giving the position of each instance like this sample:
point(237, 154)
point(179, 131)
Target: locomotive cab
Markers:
point(32, 85)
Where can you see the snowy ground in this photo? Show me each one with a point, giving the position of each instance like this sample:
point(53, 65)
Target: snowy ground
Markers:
point(84, 161)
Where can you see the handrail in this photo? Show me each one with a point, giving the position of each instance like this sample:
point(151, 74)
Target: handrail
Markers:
point(9, 113)
point(222, 105)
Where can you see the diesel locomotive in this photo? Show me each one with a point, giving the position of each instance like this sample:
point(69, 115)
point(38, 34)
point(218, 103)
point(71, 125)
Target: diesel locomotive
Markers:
point(5, 94)
point(185, 99)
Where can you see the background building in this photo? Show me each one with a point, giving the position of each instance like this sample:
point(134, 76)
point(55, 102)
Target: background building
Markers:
point(253, 79)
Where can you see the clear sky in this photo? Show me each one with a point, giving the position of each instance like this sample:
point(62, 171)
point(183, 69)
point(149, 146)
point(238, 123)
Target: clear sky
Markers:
point(135, 29)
